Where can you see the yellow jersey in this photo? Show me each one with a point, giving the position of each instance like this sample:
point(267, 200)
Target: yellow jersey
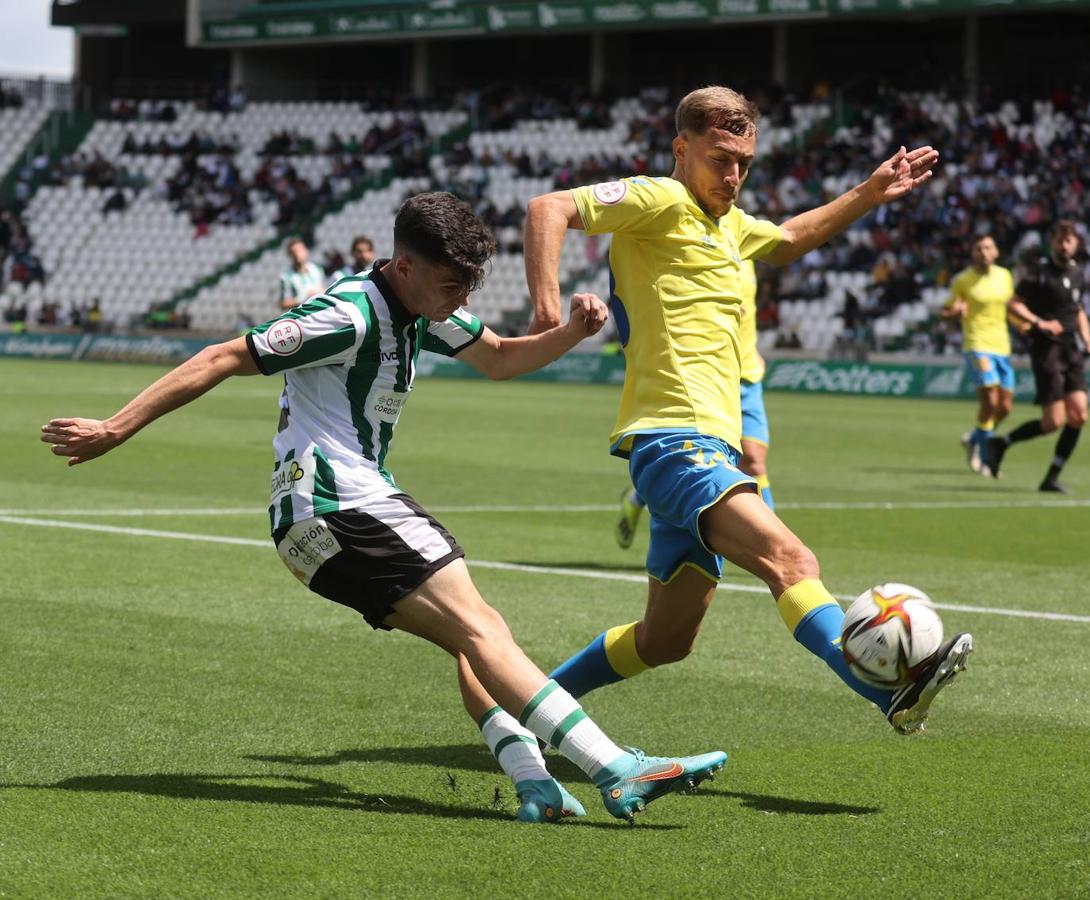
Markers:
point(753, 364)
point(677, 285)
point(984, 326)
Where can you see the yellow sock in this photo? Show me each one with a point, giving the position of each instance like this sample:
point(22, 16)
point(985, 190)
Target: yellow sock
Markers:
point(799, 599)
point(986, 425)
point(620, 647)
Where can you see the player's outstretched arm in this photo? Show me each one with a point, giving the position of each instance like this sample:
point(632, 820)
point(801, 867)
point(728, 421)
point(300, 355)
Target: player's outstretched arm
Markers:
point(501, 358)
point(902, 173)
point(547, 218)
point(84, 439)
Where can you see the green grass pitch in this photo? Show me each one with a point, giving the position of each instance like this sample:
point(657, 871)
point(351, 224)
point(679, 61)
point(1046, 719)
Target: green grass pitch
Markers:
point(181, 718)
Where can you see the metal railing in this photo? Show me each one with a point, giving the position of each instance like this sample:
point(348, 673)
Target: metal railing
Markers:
point(55, 93)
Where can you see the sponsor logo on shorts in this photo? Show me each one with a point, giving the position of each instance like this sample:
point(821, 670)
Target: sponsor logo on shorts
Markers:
point(285, 337)
point(610, 192)
point(306, 546)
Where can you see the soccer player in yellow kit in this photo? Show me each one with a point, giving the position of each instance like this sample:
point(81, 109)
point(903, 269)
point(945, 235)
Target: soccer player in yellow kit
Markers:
point(755, 432)
point(676, 288)
point(979, 297)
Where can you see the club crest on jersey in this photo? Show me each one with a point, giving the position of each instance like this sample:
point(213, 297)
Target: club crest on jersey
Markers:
point(285, 337)
point(610, 192)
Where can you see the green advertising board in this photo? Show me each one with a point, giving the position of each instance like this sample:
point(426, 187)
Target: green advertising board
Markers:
point(881, 379)
point(373, 21)
point(947, 380)
point(116, 348)
point(804, 375)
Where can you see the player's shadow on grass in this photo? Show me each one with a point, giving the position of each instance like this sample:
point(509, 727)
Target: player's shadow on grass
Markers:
point(466, 757)
point(310, 792)
point(785, 805)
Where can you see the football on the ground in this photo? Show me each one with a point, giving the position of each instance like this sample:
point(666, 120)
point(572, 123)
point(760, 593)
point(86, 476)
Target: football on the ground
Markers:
point(891, 633)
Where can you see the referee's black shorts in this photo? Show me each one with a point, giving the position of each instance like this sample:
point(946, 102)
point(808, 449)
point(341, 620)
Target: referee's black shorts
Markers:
point(369, 557)
point(1058, 369)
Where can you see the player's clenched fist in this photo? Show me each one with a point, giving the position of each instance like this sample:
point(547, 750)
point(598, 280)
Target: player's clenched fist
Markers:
point(588, 314)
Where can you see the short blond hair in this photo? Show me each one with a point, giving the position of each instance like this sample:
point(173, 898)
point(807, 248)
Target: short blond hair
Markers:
point(717, 107)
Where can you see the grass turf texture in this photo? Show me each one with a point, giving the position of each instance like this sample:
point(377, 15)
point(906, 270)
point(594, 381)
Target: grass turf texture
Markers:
point(184, 719)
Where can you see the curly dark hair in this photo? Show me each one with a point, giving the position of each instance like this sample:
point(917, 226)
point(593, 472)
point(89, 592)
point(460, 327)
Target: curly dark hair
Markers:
point(443, 230)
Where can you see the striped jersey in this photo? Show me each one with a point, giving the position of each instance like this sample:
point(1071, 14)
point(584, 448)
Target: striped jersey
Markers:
point(300, 285)
point(349, 360)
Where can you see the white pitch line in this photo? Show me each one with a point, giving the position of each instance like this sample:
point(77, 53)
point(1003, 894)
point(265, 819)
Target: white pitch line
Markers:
point(135, 532)
point(140, 513)
point(505, 566)
point(942, 504)
point(574, 508)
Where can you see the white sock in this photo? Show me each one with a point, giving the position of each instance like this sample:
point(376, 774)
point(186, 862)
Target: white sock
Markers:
point(556, 717)
point(513, 746)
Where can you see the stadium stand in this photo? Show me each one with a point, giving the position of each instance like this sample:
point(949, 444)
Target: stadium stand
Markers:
point(139, 234)
point(18, 125)
point(199, 212)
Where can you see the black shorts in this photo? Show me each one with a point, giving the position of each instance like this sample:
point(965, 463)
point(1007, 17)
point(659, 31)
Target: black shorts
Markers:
point(370, 557)
point(1058, 370)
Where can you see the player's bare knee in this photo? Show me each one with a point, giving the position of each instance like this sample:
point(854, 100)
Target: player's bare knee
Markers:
point(1076, 417)
point(1051, 421)
point(483, 627)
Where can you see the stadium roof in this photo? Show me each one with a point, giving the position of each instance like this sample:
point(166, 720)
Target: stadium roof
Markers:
point(116, 12)
point(282, 21)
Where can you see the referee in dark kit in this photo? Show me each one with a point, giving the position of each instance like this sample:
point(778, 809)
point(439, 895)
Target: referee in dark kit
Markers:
point(1049, 297)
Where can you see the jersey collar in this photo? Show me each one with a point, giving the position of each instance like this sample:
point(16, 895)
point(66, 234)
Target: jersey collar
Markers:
point(393, 301)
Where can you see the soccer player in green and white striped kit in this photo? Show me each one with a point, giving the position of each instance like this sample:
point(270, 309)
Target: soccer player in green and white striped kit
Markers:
point(346, 529)
point(303, 279)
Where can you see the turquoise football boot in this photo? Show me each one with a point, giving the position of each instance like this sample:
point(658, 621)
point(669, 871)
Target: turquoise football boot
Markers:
point(650, 777)
point(546, 801)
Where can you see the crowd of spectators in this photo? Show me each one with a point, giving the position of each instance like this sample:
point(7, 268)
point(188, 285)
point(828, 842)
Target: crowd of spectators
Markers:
point(1009, 167)
point(218, 98)
point(18, 263)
